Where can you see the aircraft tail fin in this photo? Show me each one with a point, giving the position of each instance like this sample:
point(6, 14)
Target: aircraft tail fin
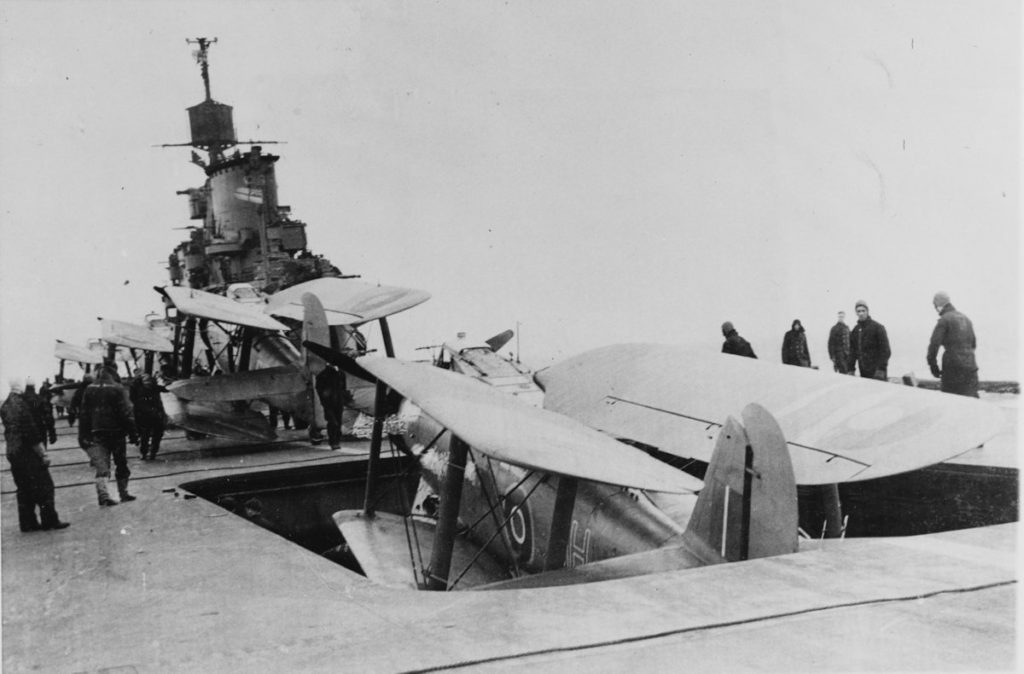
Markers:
point(748, 506)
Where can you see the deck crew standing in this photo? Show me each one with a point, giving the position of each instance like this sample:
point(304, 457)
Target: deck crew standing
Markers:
point(106, 418)
point(24, 436)
point(330, 386)
point(42, 410)
point(869, 345)
point(839, 345)
point(150, 417)
point(735, 344)
point(955, 334)
point(794, 346)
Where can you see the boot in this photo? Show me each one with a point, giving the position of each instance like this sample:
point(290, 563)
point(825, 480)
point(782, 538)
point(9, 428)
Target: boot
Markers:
point(122, 489)
point(27, 517)
point(102, 494)
point(48, 514)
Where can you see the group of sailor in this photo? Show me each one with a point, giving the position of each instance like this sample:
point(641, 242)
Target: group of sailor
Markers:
point(866, 348)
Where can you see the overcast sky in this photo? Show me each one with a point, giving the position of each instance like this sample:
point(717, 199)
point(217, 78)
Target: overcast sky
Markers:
point(594, 172)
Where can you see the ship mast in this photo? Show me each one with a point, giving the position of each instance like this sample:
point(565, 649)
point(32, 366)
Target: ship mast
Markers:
point(202, 58)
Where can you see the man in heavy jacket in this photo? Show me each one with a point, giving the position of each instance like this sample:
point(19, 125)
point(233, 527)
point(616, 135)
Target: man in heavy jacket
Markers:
point(735, 344)
point(29, 464)
point(869, 345)
point(794, 346)
point(955, 334)
point(839, 345)
point(106, 418)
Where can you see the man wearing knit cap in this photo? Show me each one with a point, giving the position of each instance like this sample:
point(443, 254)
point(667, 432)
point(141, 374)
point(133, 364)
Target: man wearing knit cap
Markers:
point(24, 436)
point(869, 345)
point(955, 334)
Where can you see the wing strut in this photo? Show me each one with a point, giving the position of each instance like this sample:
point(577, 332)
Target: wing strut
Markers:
point(377, 437)
point(448, 517)
point(561, 523)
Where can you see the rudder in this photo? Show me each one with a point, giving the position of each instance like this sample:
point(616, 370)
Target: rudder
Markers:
point(748, 507)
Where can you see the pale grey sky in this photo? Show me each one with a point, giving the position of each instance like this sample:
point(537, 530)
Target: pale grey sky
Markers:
point(598, 172)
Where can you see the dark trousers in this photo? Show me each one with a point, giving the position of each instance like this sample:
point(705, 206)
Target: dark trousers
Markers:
point(149, 439)
point(35, 489)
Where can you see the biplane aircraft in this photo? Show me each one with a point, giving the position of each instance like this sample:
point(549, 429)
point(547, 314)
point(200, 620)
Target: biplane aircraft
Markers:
point(535, 496)
point(251, 348)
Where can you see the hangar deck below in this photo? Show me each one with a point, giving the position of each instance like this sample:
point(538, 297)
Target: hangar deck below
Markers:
point(172, 582)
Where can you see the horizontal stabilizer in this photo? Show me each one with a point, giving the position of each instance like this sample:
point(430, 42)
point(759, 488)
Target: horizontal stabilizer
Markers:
point(839, 428)
point(134, 336)
point(77, 354)
point(202, 304)
point(509, 430)
point(381, 544)
point(345, 301)
point(250, 385)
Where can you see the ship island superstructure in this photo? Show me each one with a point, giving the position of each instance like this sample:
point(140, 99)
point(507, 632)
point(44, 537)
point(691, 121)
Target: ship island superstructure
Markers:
point(246, 235)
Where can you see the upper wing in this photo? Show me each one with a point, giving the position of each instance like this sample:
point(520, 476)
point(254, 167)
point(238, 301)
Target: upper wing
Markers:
point(839, 428)
point(77, 354)
point(202, 304)
point(134, 336)
point(346, 302)
point(504, 428)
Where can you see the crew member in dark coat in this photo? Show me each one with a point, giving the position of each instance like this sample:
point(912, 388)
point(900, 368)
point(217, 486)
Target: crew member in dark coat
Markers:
point(735, 344)
point(330, 386)
point(42, 410)
point(955, 334)
point(839, 345)
point(29, 464)
point(106, 418)
point(150, 417)
point(869, 345)
point(794, 346)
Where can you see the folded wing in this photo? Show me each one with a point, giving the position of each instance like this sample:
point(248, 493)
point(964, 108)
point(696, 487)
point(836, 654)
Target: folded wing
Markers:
point(839, 428)
point(500, 426)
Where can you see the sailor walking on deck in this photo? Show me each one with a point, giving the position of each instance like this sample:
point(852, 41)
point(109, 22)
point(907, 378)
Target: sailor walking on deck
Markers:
point(150, 417)
point(24, 435)
point(106, 418)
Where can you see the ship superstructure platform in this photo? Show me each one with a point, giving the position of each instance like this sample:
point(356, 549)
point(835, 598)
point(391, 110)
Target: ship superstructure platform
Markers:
point(174, 582)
